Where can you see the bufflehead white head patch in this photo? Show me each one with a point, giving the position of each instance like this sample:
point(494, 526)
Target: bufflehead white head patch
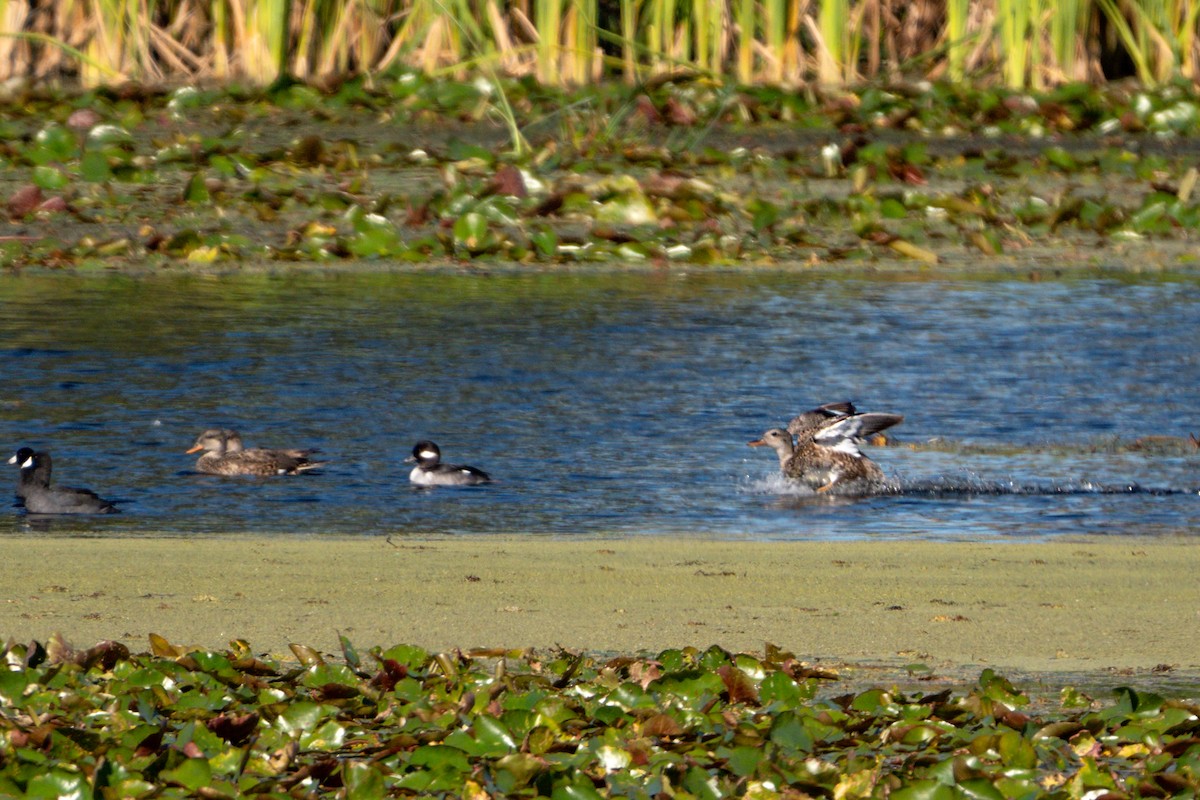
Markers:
point(428, 454)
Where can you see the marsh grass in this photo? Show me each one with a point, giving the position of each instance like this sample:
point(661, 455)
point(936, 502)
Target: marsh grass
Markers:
point(1015, 43)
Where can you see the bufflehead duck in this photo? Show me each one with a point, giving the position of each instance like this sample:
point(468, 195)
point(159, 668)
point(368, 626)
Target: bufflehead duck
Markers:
point(224, 454)
point(430, 471)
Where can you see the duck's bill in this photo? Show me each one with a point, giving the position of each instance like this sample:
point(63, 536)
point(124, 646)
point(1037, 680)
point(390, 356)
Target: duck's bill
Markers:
point(757, 443)
point(194, 449)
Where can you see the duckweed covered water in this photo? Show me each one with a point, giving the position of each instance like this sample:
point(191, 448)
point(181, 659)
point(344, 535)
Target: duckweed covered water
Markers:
point(615, 403)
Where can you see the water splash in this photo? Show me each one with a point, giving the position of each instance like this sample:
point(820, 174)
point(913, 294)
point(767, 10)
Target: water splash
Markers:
point(776, 484)
point(967, 485)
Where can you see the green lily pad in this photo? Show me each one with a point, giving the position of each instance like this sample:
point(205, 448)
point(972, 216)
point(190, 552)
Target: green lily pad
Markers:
point(52, 178)
point(196, 190)
point(192, 774)
point(54, 143)
point(93, 167)
point(363, 781)
point(57, 784)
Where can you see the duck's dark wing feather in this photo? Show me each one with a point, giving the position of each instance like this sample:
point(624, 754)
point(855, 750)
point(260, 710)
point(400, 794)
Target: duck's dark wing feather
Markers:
point(855, 428)
point(814, 418)
point(461, 473)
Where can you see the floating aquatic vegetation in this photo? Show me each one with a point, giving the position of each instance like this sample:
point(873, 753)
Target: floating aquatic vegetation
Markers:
point(180, 721)
point(414, 170)
point(1150, 445)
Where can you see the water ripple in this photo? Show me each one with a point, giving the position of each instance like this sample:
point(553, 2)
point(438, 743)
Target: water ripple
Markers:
point(611, 403)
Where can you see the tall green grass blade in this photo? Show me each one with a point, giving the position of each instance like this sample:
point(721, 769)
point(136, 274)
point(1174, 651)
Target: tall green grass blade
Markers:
point(107, 44)
point(956, 38)
point(98, 67)
point(1116, 18)
point(583, 40)
point(661, 33)
point(745, 55)
point(774, 32)
point(462, 27)
point(266, 39)
point(1036, 30)
point(834, 23)
point(702, 35)
point(1165, 33)
point(1014, 40)
point(220, 41)
point(549, 23)
point(1067, 20)
point(1035, 42)
point(7, 43)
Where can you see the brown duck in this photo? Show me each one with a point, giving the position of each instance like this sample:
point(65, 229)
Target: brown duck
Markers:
point(224, 454)
point(805, 424)
point(827, 453)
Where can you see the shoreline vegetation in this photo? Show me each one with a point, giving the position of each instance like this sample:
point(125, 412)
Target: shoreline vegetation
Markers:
point(420, 172)
point(1015, 43)
point(210, 133)
point(218, 133)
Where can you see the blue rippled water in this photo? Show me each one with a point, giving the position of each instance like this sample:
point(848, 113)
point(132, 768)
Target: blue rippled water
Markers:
point(610, 403)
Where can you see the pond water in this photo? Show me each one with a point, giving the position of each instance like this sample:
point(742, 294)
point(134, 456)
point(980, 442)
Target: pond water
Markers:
point(610, 403)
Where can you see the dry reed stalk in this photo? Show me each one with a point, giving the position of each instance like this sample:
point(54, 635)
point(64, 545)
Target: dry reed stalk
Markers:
point(1025, 42)
point(218, 41)
point(13, 14)
point(178, 58)
point(241, 44)
point(873, 34)
point(509, 60)
point(429, 53)
point(105, 46)
point(629, 23)
point(303, 29)
point(581, 61)
point(334, 55)
point(982, 18)
point(370, 38)
point(794, 60)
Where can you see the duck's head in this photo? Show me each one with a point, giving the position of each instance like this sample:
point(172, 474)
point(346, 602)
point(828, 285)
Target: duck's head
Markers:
point(425, 453)
point(777, 439)
point(217, 440)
